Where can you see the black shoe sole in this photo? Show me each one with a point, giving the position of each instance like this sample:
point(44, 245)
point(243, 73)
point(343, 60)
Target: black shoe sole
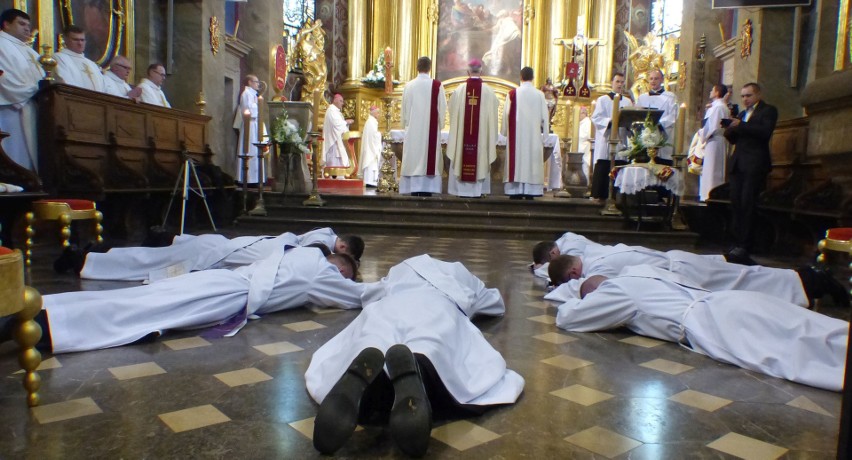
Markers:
point(338, 414)
point(411, 415)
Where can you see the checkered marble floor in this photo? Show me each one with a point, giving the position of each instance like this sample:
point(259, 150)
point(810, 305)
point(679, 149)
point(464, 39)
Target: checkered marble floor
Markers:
point(594, 395)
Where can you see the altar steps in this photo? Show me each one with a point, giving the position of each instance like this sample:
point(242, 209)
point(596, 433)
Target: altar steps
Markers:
point(448, 216)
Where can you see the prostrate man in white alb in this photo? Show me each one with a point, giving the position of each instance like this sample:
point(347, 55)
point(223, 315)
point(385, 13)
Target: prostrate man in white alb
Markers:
point(660, 99)
point(371, 148)
point(285, 279)
point(472, 145)
point(115, 79)
point(18, 84)
point(752, 330)
point(525, 119)
point(73, 66)
point(416, 321)
point(248, 105)
point(424, 106)
point(152, 92)
point(602, 119)
point(333, 128)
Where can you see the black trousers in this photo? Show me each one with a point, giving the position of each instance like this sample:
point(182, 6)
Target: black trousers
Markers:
point(745, 191)
point(600, 178)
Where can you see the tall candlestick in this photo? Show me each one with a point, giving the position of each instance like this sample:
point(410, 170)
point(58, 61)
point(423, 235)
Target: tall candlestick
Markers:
point(679, 129)
point(388, 56)
point(246, 123)
point(315, 120)
point(388, 70)
point(616, 113)
point(259, 119)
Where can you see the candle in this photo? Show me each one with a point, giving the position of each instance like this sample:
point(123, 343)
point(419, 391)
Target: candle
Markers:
point(722, 32)
point(315, 121)
point(679, 128)
point(260, 119)
point(388, 70)
point(616, 112)
point(246, 123)
point(389, 56)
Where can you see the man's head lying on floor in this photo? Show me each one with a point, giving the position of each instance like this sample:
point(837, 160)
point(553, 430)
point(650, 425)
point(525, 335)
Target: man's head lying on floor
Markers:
point(564, 268)
point(543, 252)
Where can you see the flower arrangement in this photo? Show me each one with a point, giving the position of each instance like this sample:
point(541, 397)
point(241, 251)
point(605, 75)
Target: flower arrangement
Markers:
point(644, 143)
point(284, 132)
point(376, 77)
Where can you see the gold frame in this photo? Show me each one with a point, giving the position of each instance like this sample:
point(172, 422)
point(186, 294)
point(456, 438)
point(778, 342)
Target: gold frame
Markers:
point(121, 27)
point(843, 49)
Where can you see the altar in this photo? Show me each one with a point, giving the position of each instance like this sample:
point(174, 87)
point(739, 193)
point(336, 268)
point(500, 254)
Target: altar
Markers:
point(640, 187)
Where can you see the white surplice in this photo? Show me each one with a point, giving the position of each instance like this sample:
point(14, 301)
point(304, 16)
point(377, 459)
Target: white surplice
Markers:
point(601, 117)
point(416, 107)
point(18, 84)
point(248, 103)
point(88, 320)
point(584, 145)
point(532, 119)
point(667, 102)
point(715, 148)
point(113, 84)
point(152, 94)
point(371, 151)
point(425, 304)
point(333, 150)
point(486, 142)
point(747, 329)
point(189, 253)
point(78, 70)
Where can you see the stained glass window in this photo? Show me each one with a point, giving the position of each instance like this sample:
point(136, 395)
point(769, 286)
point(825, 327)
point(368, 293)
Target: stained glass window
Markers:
point(666, 16)
point(295, 13)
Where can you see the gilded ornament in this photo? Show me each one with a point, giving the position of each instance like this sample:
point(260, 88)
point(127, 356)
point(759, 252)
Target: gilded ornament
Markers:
point(214, 34)
point(309, 55)
point(432, 12)
point(746, 40)
point(644, 58)
point(529, 14)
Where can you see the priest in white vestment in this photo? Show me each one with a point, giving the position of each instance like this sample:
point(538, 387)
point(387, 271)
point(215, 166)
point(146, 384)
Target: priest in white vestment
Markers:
point(189, 253)
point(584, 142)
point(73, 66)
point(152, 91)
point(333, 150)
point(472, 145)
point(658, 98)
point(525, 119)
point(18, 84)
point(422, 307)
point(115, 79)
point(602, 118)
point(286, 279)
point(712, 134)
point(752, 330)
point(248, 106)
point(371, 148)
point(424, 108)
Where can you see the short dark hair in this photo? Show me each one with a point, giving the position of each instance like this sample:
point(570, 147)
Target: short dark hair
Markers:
point(541, 250)
point(325, 250)
point(154, 67)
point(526, 74)
point(558, 267)
point(11, 14)
point(348, 260)
point(754, 85)
point(721, 89)
point(73, 29)
point(617, 74)
point(424, 64)
point(356, 245)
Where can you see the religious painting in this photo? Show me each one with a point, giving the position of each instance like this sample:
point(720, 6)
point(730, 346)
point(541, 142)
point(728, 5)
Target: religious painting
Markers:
point(488, 30)
point(104, 22)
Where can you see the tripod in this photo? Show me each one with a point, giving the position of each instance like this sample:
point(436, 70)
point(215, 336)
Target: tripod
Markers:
point(183, 176)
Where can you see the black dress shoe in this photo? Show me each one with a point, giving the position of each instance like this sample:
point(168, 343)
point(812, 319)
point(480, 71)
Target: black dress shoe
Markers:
point(72, 258)
point(338, 414)
point(740, 256)
point(411, 415)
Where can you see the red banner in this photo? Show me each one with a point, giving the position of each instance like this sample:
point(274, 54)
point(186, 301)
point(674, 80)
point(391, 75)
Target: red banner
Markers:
point(513, 125)
point(433, 129)
point(470, 139)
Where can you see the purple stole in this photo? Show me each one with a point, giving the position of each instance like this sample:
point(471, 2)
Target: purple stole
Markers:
point(513, 125)
point(470, 138)
point(433, 129)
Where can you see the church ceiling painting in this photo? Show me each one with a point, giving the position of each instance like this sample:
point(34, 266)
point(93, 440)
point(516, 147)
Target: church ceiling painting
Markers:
point(108, 24)
point(489, 30)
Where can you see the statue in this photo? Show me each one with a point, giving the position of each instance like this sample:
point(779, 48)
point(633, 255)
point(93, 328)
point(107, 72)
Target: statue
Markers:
point(643, 59)
point(551, 96)
point(309, 55)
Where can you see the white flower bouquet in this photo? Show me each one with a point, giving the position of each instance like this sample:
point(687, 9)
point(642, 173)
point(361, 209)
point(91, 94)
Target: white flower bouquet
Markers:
point(291, 138)
point(376, 77)
point(644, 143)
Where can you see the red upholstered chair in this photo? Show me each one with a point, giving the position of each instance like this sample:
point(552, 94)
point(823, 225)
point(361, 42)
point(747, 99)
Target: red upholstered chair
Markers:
point(64, 211)
point(24, 303)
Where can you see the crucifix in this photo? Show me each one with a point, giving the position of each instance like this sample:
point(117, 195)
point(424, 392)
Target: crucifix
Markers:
point(579, 47)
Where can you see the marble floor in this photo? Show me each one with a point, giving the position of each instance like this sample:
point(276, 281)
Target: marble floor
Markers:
point(592, 395)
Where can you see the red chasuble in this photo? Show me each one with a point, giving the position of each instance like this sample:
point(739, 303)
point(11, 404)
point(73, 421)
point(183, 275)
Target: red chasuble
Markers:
point(433, 129)
point(470, 139)
point(513, 125)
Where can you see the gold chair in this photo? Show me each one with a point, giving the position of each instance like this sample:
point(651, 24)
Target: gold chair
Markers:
point(24, 302)
point(64, 211)
point(836, 239)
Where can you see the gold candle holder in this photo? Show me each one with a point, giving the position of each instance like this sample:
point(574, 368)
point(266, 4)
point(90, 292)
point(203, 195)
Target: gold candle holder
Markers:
point(314, 199)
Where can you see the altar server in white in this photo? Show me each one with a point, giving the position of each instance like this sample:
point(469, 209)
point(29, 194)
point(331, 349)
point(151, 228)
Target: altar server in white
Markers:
point(115, 79)
point(371, 148)
point(712, 134)
point(152, 91)
point(415, 320)
point(333, 128)
point(424, 108)
point(18, 84)
point(73, 66)
point(525, 119)
point(472, 145)
point(190, 253)
point(248, 105)
point(584, 143)
point(658, 98)
point(601, 118)
point(89, 320)
point(747, 329)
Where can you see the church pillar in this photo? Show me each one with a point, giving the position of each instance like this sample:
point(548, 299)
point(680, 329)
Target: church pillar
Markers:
point(699, 20)
point(562, 24)
point(601, 25)
point(357, 41)
point(536, 43)
point(384, 28)
point(405, 52)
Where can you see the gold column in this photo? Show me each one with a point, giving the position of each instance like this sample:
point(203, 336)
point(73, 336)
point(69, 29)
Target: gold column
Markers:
point(601, 19)
point(427, 42)
point(562, 25)
point(383, 28)
point(45, 23)
point(535, 43)
point(357, 39)
point(406, 39)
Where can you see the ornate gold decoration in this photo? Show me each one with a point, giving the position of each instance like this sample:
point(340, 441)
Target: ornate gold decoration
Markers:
point(309, 55)
point(348, 110)
point(433, 12)
point(387, 172)
point(47, 62)
point(682, 76)
point(200, 102)
point(529, 14)
point(746, 40)
point(214, 34)
point(644, 58)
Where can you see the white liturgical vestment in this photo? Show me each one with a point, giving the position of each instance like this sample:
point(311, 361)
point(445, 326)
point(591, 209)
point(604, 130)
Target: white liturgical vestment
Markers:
point(78, 70)
point(425, 304)
point(248, 103)
point(114, 85)
point(584, 145)
point(523, 170)
point(486, 140)
point(712, 134)
point(152, 94)
point(371, 151)
point(18, 84)
point(667, 102)
point(601, 117)
point(417, 106)
point(333, 149)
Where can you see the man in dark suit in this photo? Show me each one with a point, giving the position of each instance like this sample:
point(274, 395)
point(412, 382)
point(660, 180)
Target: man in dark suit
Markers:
point(750, 164)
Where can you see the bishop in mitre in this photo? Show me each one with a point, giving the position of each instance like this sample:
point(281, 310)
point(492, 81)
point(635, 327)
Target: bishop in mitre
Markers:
point(472, 145)
point(333, 128)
